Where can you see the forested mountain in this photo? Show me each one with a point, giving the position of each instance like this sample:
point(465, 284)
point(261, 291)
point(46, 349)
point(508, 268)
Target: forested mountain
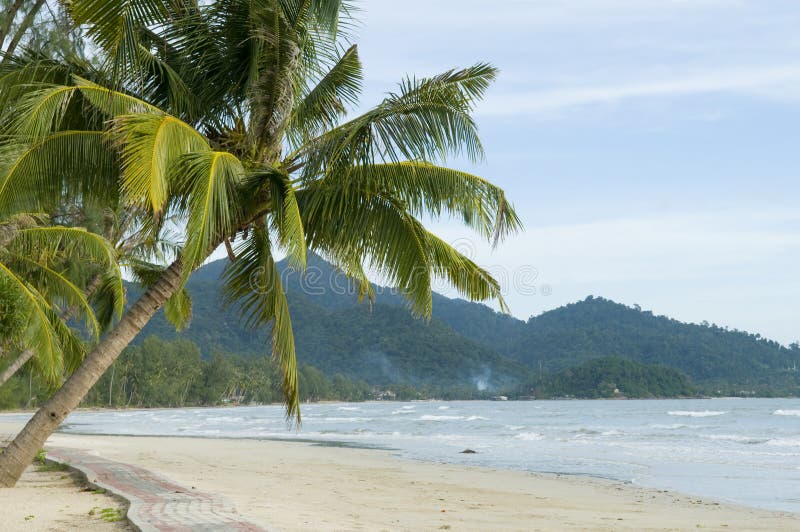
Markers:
point(471, 343)
point(597, 327)
point(336, 334)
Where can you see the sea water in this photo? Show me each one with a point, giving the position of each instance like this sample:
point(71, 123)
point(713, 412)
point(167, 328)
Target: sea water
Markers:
point(744, 451)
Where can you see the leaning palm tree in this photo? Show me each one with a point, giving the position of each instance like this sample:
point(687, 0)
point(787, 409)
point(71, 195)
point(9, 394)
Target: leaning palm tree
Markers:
point(231, 116)
point(39, 282)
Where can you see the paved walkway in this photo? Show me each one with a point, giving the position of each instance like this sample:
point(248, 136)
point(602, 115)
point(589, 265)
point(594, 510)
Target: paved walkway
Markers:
point(156, 503)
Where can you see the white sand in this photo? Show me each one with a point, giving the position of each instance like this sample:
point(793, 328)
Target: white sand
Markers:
point(300, 486)
point(55, 500)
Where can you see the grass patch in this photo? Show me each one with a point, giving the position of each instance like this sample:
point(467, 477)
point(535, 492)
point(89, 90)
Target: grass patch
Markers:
point(43, 466)
point(52, 466)
point(111, 515)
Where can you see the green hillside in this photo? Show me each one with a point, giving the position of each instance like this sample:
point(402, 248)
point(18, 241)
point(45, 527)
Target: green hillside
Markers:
point(337, 335)
point(610, 377)
point(597, 327)
point(470, 343)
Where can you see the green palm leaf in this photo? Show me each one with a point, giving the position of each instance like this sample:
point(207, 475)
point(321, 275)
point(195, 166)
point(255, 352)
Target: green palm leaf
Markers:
point(77, 245)
point(253, 285)
point(429, 190)
point(323, 105)
point(151, 144)
point(208, 183)
point(60, 167)
point(427, 120)
point(40, 333)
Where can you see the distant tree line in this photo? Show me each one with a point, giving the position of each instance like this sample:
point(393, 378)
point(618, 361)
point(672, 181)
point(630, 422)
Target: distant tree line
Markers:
point(610, 377)
point(172, 373)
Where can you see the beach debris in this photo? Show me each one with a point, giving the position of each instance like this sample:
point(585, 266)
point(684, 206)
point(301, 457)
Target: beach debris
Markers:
point(469, 451)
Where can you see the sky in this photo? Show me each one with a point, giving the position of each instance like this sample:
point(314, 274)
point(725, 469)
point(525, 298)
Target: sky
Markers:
point(650, 146)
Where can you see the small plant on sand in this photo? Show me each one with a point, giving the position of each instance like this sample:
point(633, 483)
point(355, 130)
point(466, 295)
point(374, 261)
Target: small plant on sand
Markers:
point(41, 457)
point(111, 515)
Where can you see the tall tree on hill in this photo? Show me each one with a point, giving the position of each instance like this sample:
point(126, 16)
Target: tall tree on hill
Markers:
point(230, 115)
point(36, 27)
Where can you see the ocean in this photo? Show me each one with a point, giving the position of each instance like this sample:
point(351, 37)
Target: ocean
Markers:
point(744, 451)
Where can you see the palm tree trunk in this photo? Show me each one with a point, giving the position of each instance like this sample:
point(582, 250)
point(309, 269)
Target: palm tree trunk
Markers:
point(20, 453)
point(14, 367)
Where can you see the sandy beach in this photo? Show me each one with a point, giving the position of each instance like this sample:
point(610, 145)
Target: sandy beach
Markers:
point(47, 498)
point(299, 486)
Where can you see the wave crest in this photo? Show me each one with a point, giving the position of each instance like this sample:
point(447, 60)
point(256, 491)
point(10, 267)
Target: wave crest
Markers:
point(696, 413)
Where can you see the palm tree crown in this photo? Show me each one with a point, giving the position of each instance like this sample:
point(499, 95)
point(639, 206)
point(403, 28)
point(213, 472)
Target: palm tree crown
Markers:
point(232, 116)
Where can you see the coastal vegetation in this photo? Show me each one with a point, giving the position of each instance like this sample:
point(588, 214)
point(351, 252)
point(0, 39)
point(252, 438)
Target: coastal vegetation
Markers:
point(227, 122)
point(159, 373)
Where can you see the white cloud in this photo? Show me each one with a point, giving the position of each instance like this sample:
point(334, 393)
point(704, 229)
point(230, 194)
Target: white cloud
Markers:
point(775, 82)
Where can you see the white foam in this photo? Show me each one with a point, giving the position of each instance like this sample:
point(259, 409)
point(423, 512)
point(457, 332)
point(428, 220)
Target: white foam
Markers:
point(346, 419)
point(515, 427)
point(224, 419)
point(349, 408)
point(475, 418)
point(444, 408)
point(696, 413)
point(396, 412)
point(739, 438)
point(529, 436)
point(673, 426)
point(786, 413)
point(784, 442)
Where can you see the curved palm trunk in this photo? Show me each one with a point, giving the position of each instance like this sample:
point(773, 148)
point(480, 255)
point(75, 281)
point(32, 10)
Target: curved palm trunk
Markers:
point(20, 452)
point(14, 367)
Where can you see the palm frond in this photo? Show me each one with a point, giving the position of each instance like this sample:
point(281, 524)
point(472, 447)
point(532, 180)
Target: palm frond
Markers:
point(76, 245)
point(178, 309)
point(44, 109)
point(150, 145)
point(115, 26)
point(40, 333)
point(375, 230)
point(253, 284)
point(208, 183)
point(427, 120)
point(471, 281)
point(429, 190)
point(57, 169)
point(323, 105)
point(58, 289)
point(287, 221)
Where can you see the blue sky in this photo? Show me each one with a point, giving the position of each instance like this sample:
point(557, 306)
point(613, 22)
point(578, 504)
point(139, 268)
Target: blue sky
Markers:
point(649, 145)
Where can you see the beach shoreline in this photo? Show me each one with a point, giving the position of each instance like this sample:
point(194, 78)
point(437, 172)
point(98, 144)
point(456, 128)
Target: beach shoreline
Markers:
point(296, 485)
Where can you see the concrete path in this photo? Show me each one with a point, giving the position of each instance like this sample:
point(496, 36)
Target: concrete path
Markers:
point(156, 503)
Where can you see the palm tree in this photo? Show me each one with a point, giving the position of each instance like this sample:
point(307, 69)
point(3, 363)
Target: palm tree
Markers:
point(38, 281)
point(231, 116)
